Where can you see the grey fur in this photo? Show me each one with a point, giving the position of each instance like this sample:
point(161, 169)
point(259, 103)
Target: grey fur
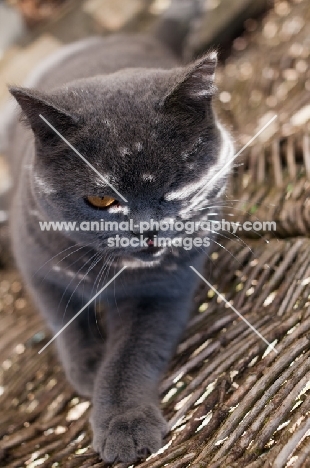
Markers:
point(128, 106)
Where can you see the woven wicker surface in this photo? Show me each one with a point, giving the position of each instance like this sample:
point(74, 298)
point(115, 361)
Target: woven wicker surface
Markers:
point(229, 400)
point(268, 73)
point(226, 398)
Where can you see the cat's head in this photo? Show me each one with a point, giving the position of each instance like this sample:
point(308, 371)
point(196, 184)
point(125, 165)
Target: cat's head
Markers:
point(150, 140)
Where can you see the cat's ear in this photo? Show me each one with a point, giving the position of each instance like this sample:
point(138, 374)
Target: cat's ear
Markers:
point(195, 86)
point(37, 106)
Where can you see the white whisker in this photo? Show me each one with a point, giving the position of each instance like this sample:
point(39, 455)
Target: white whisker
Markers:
point(235, 310)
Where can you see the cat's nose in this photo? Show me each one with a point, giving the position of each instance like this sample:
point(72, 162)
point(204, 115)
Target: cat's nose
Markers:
point(149, 235)
point(146, 235)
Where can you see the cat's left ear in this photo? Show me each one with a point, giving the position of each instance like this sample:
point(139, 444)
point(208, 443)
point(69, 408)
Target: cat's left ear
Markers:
point(195, 86)
point(36, 105)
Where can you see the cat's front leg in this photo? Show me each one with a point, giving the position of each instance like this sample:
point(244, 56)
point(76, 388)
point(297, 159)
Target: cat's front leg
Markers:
point(80, 352)
point(80, 344)
point(126, 419)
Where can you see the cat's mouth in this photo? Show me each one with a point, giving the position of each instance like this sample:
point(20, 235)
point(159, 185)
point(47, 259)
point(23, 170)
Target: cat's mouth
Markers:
point(149, 254)
point(152, 250)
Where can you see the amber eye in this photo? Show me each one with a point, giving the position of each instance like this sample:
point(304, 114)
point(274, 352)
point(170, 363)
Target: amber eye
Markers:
point(101, 202)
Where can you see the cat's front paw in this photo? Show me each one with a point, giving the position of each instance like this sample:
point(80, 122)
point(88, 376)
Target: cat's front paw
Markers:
point(130, 436)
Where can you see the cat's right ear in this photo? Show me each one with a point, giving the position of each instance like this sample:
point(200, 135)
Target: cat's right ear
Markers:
point(38, 109)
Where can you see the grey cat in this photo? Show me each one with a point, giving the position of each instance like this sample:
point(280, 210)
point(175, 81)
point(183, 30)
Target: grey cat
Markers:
point(146, 123)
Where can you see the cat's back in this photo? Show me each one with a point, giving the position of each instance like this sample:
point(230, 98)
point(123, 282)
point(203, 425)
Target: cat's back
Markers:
point(100, 56)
